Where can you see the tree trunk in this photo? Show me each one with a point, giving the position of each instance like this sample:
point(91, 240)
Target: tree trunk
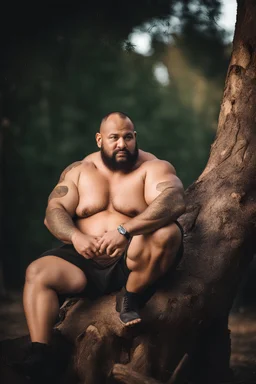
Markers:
point(2, 287)
point(184, 331)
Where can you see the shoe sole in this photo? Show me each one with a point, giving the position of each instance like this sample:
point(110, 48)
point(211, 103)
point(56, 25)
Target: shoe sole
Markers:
point(130, 324)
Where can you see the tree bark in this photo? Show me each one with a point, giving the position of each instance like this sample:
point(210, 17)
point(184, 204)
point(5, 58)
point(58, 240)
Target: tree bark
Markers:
point(185, 324)
point(2, 285)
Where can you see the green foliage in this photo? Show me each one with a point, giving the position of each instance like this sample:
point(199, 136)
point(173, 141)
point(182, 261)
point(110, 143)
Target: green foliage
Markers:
point(68, 83)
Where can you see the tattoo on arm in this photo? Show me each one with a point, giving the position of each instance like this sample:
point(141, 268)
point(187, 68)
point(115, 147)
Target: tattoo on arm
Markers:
point(58, 219)
point(164, 185)
point(60, 223)
point(66, 170)
point(164, 204)
point(165, 208)
point(59, 191)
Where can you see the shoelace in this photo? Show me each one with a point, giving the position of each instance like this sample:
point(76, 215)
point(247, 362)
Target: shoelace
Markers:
point(126, 305)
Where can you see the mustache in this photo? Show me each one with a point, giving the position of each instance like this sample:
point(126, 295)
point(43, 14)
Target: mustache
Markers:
point(121, 150)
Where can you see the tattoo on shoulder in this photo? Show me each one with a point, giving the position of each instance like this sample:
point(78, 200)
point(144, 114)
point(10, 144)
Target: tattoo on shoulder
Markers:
point(59, 191)
point(164, 185)
point(66, 170)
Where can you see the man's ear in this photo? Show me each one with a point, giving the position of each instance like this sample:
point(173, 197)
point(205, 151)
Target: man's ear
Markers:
point(98, 139)
point(135, 134)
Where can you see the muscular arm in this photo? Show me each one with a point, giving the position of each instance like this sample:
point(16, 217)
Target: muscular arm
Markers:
point(62, 204)
point(164, 195)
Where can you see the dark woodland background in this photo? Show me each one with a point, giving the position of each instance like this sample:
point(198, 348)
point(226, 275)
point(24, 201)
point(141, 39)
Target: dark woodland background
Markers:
point(64, 66)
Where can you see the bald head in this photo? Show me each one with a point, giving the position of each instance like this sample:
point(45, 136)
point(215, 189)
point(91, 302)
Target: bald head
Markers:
point(116, 120)
point(117, 142)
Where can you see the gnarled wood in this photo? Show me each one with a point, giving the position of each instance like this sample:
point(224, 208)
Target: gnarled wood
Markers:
point(128, 376)
point(189, 314)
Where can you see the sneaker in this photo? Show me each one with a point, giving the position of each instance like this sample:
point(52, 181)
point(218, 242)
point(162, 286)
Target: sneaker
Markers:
point(128, 308)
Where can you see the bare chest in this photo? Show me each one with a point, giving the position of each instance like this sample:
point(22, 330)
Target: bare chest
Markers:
point(122, 194)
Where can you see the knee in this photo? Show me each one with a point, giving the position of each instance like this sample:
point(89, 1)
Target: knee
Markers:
point(50, 276)
point(38, 272)
point(33, 272)
point(166, 237)
point(78, 283)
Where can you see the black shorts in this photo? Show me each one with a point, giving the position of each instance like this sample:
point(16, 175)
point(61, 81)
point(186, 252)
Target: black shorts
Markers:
point(100, 280)
point(103, 280)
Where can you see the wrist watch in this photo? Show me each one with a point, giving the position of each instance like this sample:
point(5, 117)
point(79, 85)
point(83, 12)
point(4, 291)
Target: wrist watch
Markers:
point(123, 232)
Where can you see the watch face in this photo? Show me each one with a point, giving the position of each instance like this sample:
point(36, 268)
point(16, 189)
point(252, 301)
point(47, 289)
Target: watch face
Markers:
point(122, 230)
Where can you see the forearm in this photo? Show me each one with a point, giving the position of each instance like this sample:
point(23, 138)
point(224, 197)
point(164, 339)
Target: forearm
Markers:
point(60, 224)
point(166, 208)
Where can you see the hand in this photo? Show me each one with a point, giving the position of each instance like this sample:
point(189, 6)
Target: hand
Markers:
point(86, 245)
point(112, 243)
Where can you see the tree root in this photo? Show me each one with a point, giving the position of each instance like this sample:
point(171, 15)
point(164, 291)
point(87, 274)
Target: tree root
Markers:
point(89, 352)
point(127, 375)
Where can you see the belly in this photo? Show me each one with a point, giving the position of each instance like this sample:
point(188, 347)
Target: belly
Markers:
point(101, 222)
point(97, 225)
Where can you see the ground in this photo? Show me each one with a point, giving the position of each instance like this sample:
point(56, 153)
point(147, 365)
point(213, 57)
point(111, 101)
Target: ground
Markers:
point(241, 323)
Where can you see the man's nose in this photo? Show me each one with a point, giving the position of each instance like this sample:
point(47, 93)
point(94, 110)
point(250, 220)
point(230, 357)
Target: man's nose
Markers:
point(121, 143)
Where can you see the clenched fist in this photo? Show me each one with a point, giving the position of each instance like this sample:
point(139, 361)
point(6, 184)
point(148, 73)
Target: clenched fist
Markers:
point(86, 245)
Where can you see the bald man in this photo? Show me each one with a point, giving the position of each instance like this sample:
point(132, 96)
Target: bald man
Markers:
point(116, 212)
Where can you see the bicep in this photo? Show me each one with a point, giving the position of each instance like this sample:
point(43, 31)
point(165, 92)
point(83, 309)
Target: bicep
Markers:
point(64, 195)
point(161, 176)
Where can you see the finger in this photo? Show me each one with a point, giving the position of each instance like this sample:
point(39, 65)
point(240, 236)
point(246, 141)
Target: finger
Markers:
point(102, 248)
point(100, 241)
point(110, 250)
point(89, 253)
point(94, 249)
point(85, 255)
point(116, 253)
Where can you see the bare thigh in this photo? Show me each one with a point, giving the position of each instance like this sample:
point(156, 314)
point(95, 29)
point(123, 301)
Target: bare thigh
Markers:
point(56, 273)
point(144, 247)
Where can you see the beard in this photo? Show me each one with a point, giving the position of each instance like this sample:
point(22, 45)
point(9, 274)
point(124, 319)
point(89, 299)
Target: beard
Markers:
point(125, 165)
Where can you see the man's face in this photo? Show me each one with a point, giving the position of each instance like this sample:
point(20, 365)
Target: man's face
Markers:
point(118, 145)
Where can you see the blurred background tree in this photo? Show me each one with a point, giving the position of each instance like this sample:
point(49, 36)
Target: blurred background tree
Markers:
point(64, 69)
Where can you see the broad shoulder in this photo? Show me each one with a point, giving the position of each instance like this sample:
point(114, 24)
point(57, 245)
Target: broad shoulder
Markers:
point(73, 171)
point(146, 156)
point(159, 166)
point(160, 174)
point(91, 158)
point(70, 169)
